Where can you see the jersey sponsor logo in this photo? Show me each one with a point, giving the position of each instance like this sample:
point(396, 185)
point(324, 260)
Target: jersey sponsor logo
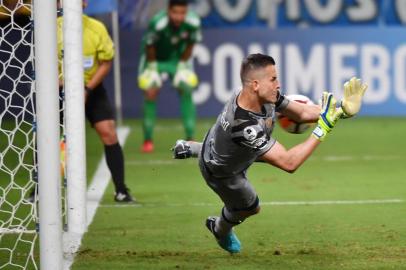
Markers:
point(250, 133)
point(88, 62)
point(256, 144)
point(260, 142)
point(224, 123)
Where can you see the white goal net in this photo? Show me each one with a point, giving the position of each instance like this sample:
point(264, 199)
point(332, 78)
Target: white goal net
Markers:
point(19, 223)
point(18, 171)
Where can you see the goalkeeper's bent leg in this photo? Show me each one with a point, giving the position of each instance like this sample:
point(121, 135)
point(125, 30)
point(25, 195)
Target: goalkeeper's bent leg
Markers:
point(149, 118)
point(228, 219)
point(188, 112)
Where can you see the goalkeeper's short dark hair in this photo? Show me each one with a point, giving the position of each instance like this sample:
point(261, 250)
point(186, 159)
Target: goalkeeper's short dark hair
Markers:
point(255, 61)
point(178, 3)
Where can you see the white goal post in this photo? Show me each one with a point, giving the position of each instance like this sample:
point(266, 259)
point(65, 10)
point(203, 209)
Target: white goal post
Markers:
point(31, 209)
point(75, 115)
point(47, 111)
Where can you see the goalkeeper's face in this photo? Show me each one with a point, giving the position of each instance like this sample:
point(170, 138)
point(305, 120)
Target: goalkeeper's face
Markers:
point(177, 14)
point(268, 84)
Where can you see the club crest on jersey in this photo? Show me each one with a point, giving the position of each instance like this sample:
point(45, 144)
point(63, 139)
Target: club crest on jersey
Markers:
point(174, 40)
point(250, 133)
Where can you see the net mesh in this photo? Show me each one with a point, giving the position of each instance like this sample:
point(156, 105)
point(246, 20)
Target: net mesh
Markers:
point(18, 173)
point(18, 166)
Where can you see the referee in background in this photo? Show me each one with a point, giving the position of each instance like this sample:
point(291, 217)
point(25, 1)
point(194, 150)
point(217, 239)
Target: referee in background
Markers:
point(98, 54)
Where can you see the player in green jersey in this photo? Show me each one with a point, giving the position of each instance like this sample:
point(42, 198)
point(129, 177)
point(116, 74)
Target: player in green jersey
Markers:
point(167, 48)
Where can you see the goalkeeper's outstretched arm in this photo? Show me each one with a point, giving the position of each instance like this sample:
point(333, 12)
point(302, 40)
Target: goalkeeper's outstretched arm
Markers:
point(302, 113)
point(290, 160)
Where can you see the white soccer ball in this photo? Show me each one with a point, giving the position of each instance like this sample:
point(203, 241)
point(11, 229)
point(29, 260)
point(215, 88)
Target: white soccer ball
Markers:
point(290, 125)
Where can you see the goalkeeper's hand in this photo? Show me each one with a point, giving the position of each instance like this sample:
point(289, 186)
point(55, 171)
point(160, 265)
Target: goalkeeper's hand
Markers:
point(150, 77)
point(328, 118)
point(185, 78)
point(354, 90)
point(181, 150)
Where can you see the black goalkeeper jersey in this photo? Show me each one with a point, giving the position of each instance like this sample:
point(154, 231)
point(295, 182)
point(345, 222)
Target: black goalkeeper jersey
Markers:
point(238, 138)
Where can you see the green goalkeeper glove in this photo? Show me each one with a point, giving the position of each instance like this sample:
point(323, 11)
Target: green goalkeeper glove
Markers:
point(354, 90)
point(328, 118)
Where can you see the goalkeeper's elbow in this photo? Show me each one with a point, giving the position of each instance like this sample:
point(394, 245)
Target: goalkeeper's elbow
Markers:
point(290, 168)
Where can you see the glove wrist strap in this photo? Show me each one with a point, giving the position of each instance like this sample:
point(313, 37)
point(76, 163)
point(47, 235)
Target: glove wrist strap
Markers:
point(319, 133)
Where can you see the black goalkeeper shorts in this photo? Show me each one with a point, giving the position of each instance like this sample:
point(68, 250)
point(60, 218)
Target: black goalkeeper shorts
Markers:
point(98, 106)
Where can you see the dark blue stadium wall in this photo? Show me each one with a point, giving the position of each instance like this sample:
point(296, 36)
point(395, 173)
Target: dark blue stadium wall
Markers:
point(309, 61)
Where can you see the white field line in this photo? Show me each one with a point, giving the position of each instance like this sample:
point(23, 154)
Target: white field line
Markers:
point(275, 203)
point(154, 162)
point(324, 158)
point(100, 180)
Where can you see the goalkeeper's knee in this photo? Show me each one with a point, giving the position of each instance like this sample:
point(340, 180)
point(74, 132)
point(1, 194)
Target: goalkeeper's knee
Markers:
point(238, 216)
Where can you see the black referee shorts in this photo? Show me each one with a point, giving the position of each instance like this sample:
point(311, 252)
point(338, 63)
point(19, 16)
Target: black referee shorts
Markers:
point(98, 106)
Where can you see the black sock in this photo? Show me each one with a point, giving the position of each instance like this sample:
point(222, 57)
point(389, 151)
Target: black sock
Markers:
point(115, 162)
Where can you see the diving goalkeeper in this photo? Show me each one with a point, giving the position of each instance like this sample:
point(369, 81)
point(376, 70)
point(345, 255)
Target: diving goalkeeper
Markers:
point(167, 47)
point(243, 135)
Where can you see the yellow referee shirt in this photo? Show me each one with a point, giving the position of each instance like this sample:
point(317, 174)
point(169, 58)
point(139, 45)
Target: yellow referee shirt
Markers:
point(97, 45)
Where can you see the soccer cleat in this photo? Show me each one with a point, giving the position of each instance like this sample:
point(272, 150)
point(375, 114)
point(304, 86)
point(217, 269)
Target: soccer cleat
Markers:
point(123, 197)
point(181, 150)
point(229, 242)
point(147, 146)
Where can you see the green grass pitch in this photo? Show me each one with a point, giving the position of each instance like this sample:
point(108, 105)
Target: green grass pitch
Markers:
point(363, 159)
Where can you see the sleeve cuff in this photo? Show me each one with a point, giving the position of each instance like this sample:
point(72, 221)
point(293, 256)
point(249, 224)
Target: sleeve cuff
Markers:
point(281, 103)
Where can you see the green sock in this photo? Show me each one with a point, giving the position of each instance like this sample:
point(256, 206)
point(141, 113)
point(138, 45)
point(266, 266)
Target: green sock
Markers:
point(188, 112)
point(149, 118)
